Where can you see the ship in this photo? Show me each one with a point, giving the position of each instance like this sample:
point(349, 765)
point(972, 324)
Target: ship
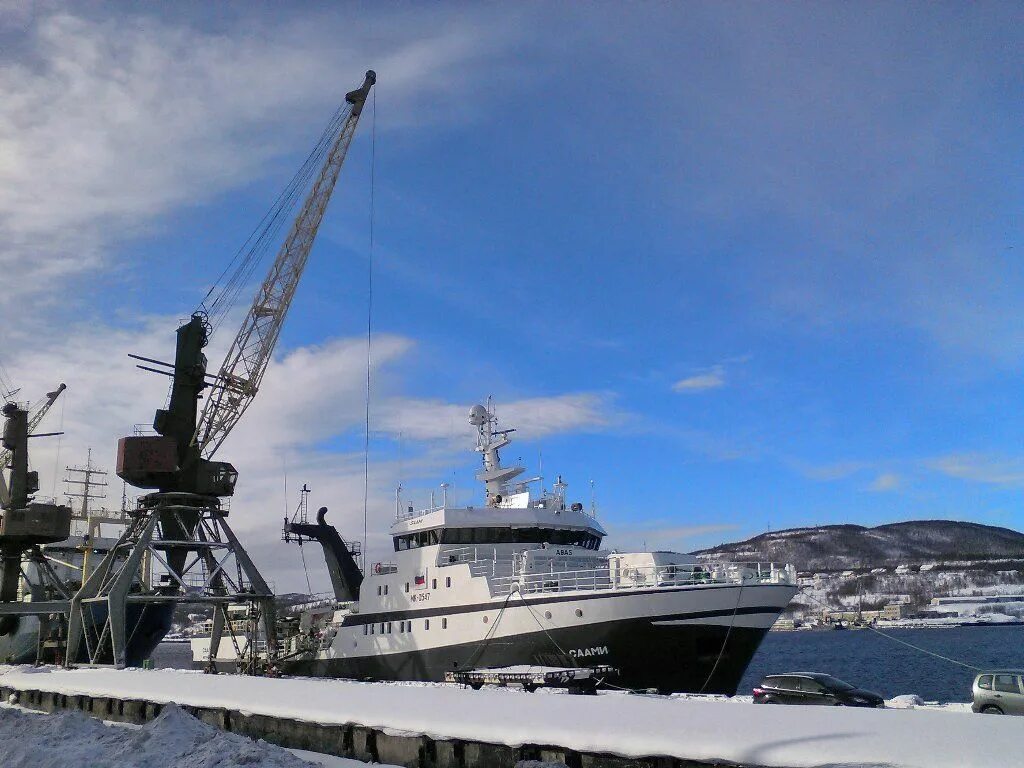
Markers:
point(92, 534)
point(524, 579)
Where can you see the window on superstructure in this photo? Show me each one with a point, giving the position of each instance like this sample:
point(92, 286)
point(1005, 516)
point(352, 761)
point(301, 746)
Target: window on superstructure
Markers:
point(416, 540)
point(426, 623)
point(385, 589)
point(447, 581)
point(366, 629)
point(407, 586)
point(498, 535)
point(380, 590)
point(433, 584)
point(444, 623)
point(389, 627)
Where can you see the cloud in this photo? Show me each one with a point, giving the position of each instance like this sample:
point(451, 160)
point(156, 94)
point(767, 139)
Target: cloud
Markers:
point(839, 470)
point(887, 481)
point(712, 378)
point(532, 418)
point(311, 398)
point(981, 468)
point(109, 124)
point(664, 536)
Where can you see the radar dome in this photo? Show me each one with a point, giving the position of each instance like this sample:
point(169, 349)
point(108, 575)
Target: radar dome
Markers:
point(477, 415)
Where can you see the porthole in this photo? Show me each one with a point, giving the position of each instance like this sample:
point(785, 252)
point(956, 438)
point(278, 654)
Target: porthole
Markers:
point(547, 614)
point(486, 619)
point(579, 613)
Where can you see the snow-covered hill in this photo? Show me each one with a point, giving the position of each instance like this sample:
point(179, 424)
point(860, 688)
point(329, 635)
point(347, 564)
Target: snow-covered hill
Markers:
point(850, 567)
point(840, 547)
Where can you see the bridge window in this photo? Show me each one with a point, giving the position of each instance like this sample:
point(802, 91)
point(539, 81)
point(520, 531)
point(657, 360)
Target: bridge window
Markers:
point(416, 540)
point(499, 535)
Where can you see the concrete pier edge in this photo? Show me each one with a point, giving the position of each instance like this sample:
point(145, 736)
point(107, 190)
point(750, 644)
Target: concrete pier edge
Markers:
point(348, 740)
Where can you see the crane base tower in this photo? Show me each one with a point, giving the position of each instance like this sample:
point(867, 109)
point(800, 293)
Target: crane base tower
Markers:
point(183, 542)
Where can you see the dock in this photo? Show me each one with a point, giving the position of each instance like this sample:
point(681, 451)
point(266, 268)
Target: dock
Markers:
point(444, 726)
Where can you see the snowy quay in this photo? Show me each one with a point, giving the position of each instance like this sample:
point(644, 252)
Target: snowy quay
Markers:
point(421, 726)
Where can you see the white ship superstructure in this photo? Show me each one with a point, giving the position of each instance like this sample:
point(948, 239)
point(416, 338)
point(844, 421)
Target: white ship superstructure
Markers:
point(523, 579)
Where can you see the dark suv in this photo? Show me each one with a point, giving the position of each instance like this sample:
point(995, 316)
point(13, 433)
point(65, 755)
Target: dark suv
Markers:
point(813, 688)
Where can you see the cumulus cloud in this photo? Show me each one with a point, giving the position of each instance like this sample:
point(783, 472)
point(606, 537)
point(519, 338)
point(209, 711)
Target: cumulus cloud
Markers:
point(712, 378)
point(311, 397)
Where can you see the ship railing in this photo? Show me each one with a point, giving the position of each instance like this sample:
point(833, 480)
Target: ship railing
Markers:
point(475, 555)
point(614, 578)
point(315, 600)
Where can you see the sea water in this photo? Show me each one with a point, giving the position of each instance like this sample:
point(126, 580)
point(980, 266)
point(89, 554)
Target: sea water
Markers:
point(875, 661)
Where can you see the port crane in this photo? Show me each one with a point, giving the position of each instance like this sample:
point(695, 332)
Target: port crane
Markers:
point(26, 524)
point(34, 418)
point(181, 527)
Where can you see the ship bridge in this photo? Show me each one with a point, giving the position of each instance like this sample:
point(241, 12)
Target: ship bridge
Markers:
point(491, 526)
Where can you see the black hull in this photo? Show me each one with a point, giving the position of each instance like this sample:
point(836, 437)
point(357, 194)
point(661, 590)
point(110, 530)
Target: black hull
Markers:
point(146, 625)
point(670, 658)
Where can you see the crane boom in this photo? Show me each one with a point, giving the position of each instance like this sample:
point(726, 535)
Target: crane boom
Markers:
point(33, 421)
point(246, 362)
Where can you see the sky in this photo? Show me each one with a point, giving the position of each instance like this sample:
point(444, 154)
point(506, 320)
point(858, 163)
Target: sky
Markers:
point(743, 266)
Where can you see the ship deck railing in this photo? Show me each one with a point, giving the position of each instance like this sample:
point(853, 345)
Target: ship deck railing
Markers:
point(642, 577)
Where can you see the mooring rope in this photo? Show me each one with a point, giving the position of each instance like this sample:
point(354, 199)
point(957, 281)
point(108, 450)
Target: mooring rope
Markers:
point(897, 640)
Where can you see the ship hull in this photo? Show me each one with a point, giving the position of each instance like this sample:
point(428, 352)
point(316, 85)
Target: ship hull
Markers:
point(146, 626)
point(686, 640)
point(665, 658)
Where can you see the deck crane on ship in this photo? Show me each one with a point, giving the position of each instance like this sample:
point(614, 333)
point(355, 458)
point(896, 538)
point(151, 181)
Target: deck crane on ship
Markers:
point(181, 526)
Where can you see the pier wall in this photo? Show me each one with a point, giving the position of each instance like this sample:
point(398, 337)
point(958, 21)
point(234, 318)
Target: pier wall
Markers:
point(378, 745)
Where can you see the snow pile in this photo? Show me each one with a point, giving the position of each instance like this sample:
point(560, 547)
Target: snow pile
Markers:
point(175, 739)
point(906, 701)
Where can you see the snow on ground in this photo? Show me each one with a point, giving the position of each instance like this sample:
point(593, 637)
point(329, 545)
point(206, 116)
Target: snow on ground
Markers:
point(77, 737)
point(628, 725)
point(173, 740)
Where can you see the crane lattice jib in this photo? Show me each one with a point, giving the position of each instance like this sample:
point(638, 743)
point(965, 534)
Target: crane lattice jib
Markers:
point(33, 421)
point(250, 353)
